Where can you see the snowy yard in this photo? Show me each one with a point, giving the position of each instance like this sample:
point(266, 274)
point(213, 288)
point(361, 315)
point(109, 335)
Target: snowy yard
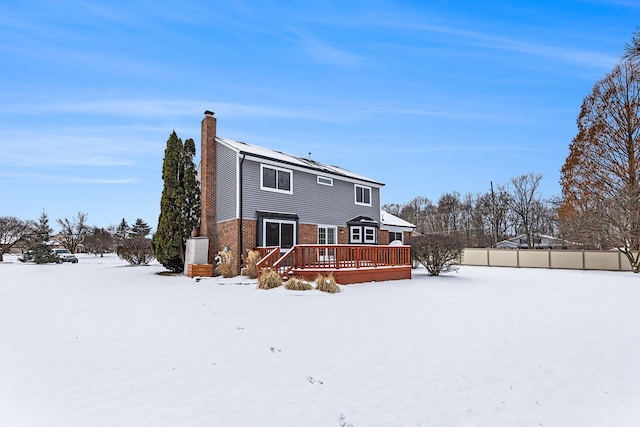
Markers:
point(99, 343)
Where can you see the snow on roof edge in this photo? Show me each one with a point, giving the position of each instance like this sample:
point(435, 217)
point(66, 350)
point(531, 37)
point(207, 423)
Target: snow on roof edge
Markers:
point(279, 156)
point(388, 219)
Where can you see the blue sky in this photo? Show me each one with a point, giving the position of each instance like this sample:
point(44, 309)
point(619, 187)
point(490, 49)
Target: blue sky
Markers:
point(426, 96)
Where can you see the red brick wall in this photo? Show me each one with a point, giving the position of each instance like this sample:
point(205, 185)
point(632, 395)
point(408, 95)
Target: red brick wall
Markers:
point(228, 232)
point(307, 234)
point(249, 232)
point(343, 235)
point(208, 183)
point(228, 236)
point(383, 237)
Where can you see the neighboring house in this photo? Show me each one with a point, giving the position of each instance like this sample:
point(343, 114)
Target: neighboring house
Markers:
point(257, 197)
point(393, 229)
point(540, 241)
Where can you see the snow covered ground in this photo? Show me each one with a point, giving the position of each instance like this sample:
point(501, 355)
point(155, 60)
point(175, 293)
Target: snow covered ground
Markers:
point(99, 343)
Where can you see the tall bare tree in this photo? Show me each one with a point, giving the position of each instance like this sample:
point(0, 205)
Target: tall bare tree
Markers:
point(525, 202)
point(601, 175)
point(449, 211)
point(417, 212)
point(12, 231)
point(73, 231)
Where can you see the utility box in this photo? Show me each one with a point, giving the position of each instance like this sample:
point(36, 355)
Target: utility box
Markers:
point(196, 257)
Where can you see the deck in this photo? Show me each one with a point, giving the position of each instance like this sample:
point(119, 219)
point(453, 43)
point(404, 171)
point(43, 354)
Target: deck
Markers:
point(347, 263)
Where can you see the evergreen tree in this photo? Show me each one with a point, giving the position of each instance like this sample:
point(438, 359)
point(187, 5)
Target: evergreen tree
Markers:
point(191, 185)
point(40, 246)
point(122, 231)
point(140, 229)
point(179, 204)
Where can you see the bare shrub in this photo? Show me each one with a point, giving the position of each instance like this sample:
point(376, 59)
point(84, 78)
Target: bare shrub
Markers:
point(269, 279)
point(295, 284)
point(438, 253)
point(251, 261)
point(136, 251)
point(327, 284)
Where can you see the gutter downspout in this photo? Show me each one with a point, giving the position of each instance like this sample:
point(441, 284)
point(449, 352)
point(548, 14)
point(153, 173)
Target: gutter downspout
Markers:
point(240, 210)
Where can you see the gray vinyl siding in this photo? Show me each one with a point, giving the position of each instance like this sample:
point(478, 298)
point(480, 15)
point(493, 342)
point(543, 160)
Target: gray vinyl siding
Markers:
point(312, 202)
point(226, 179)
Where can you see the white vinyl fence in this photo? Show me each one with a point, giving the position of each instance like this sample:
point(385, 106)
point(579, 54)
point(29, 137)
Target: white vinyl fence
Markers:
point(536, 258)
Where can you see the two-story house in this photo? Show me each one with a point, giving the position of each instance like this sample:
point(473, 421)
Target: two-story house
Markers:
point(258, 197)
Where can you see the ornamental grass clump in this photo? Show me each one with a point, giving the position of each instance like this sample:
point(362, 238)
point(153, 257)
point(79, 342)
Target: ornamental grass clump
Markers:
point(251, 261)
point(225, 264)
point(295, 284)
point(269, 279)
point(327, 284)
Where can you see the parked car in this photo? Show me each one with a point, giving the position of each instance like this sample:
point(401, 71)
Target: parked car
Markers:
point(65, 256)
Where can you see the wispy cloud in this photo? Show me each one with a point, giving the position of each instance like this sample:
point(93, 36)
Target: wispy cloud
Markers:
point(64, 179)
point(560, 54)
point(146, 108)
point(78, 147)
point(325, 53)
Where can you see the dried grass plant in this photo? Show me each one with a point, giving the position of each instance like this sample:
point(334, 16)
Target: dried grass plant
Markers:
point(269, 279)
point(225, 265)
point(327, 284)
point(250, 269)
point(226, 270)
point(295, 284)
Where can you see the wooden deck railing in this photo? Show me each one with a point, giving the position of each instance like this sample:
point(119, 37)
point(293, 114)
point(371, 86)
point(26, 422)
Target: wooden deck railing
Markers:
point(336, 257)
point(268, 257)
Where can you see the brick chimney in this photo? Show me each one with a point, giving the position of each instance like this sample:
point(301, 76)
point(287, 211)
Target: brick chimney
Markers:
point(208, 225)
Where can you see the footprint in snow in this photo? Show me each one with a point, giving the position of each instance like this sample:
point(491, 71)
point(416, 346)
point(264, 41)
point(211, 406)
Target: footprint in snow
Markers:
point(314, 381)
point(275, 350)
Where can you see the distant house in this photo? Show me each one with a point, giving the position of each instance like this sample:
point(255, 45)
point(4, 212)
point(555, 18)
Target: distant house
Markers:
point(540, 241)
point(397, 229)
point(253, 196)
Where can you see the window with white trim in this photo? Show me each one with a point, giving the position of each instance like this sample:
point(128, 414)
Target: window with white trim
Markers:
point(363, 195)
point(327, 235)
point(369, 235)
point(279, 233)
point(395, 235)
point(355, 235)
point(273, 178)
point(325, 181)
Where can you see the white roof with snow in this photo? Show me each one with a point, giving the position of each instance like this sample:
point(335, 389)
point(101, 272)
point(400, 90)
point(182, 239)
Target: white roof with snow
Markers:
point(266, 153)
point(391, 220)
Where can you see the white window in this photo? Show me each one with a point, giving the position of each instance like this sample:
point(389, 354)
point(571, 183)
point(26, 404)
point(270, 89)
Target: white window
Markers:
point(356, 235)
point(395, 235)
point(325, 181)
point(276, 179)
point(279, 233)
point(327, 235)
point(369, 235)
point(363, 195)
